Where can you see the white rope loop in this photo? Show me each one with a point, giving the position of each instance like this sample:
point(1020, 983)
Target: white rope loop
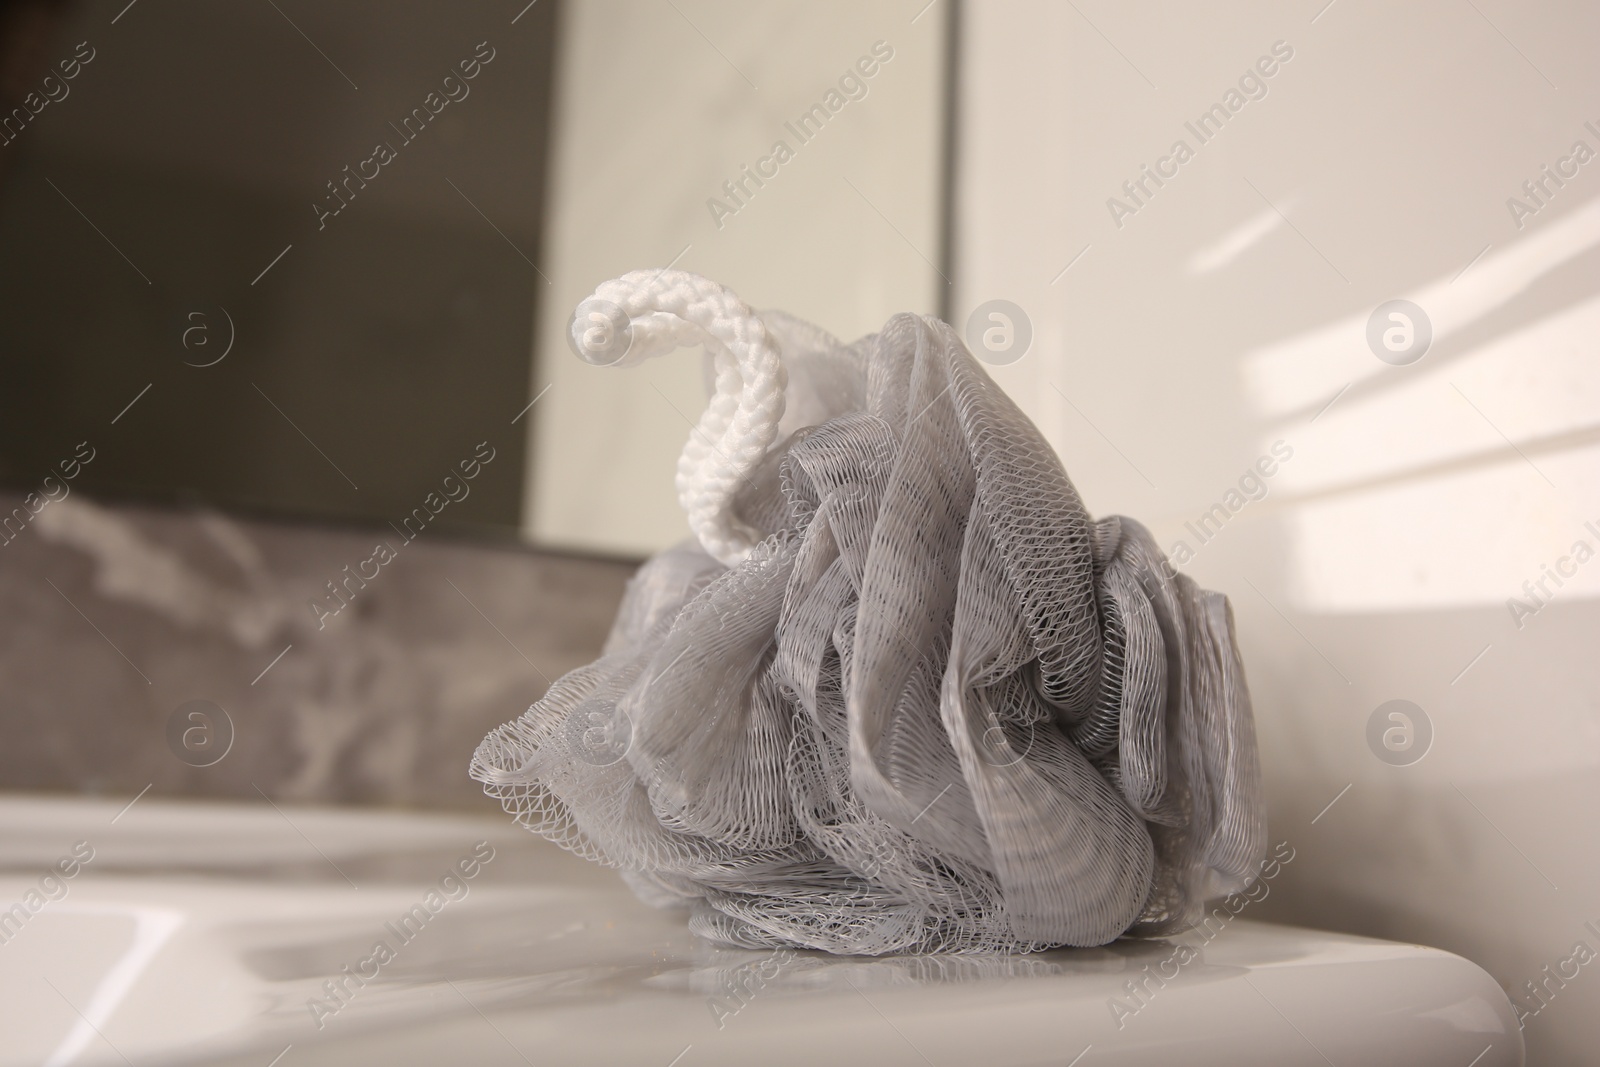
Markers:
point(645, 314)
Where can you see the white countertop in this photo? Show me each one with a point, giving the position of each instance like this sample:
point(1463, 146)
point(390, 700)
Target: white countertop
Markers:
point(204, 933)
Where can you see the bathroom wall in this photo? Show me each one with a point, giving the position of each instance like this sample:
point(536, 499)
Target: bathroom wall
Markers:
point(183, 283)
point(658, 107)
point(1424, 520)
point(388, 349)
point(193, 653)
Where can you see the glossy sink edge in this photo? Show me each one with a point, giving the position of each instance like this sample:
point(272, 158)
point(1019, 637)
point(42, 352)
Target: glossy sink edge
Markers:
point(223, 923)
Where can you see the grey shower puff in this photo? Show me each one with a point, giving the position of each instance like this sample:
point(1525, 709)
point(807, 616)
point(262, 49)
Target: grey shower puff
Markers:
point(932, 706)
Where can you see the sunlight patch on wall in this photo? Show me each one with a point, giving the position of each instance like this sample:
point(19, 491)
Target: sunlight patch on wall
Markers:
point(1304, 372)
point(1467, 539)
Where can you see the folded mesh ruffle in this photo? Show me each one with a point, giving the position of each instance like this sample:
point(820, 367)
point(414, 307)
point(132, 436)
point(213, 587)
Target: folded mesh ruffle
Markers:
point(930, 706)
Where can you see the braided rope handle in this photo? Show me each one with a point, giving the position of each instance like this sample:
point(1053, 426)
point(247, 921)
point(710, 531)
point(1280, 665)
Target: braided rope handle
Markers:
point(645, 314)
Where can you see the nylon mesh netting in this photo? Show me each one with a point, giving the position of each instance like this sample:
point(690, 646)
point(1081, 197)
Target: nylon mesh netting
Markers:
point(901, 693)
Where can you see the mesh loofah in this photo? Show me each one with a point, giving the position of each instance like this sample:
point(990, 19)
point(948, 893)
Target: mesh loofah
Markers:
point(901, 693)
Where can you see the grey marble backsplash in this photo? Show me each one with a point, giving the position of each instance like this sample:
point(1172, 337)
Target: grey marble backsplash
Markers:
point(115, 616)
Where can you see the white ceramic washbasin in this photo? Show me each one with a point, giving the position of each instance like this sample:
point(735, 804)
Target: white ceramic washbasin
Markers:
point(205, 934)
